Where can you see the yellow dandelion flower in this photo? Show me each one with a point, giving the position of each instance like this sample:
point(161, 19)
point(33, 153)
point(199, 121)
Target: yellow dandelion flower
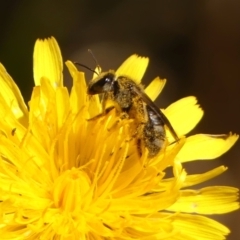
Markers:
point(65, 174)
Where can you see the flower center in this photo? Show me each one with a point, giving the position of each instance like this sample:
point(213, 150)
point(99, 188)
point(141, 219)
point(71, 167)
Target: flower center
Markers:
point(71, 189)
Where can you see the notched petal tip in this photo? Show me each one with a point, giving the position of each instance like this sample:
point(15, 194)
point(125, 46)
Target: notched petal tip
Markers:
point(134, 67)
point(203, 146)
point(47, 61)
point(155, 88)
point(184, 115)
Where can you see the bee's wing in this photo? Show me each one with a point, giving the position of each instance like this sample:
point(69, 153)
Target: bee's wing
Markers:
point(155, 109)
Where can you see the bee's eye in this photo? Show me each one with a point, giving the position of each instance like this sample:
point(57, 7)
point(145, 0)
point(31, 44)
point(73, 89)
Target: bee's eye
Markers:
point(103, 84)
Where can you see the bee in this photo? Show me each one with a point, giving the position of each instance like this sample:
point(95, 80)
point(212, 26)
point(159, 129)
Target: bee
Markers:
point(133, 103)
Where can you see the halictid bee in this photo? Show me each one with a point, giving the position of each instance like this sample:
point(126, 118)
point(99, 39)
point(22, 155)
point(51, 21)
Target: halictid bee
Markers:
point(130, 99)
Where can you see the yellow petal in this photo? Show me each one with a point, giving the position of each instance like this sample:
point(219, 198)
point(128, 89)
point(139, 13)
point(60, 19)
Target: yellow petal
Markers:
point(97, 71)
point(155, 88)
point(47, 62)
point(183, 115)
point(62, 98)
point(79, 89)
point(203, 146)
point(134, 67)
point(12, 96)
point(195, 179)
point(199, 227)
point(78, 97)
point(209, 200)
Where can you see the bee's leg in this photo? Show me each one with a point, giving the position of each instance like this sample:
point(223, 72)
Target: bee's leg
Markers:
point(139, 131)
point(105, 110)
point(139, 146)
point(138, 135)
point(104, 100)
point(108, 97)
point(101, 114)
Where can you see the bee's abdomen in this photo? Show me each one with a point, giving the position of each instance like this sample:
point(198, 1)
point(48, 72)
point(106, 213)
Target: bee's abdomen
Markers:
point(154, 134)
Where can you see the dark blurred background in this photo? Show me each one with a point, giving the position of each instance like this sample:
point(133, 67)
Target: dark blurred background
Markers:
point(194, 44)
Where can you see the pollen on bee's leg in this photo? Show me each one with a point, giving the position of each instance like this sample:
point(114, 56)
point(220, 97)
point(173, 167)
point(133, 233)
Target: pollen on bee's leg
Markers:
point(137, 133)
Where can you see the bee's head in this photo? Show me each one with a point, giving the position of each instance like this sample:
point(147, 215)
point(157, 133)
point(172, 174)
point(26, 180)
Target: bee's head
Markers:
point(104, 82)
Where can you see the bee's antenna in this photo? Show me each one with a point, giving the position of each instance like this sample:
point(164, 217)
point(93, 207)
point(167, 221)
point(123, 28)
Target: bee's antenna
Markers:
point(95, 60)
point(82, 65)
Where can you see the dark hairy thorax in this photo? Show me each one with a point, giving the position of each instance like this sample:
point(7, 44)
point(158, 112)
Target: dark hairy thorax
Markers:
point(124, 92)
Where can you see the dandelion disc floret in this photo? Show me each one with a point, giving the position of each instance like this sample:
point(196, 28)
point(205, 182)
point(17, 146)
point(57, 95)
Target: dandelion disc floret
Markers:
point(67, 171)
